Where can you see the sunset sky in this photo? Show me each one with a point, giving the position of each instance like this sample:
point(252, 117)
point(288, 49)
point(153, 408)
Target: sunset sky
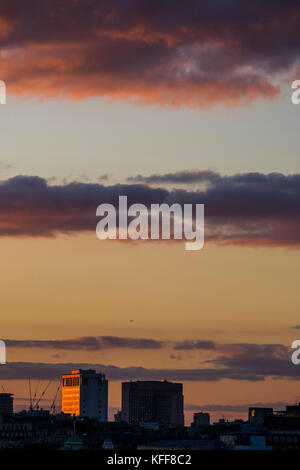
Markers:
point(164, 102)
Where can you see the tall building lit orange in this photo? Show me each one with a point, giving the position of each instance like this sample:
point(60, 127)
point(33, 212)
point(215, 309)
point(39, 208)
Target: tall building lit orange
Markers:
point(84, 393)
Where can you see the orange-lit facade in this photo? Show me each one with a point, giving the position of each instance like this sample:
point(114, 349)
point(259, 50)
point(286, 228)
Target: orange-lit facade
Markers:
point(84, 393)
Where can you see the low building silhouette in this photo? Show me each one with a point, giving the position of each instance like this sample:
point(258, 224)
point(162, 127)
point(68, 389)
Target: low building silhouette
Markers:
point(6, 403)
point(201, 419)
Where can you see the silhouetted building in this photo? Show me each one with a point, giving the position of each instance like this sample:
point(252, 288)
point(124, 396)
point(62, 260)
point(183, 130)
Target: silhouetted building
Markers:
point(15, 431)
point(152, 402)
point(289, 419)
point(293, 410)
point(201, 419)
point(84, 393)
point(257, 415)
point(6, 403)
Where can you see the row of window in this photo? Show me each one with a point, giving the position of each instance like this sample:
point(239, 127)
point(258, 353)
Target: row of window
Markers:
point(72, 381)
point(284, 439)
point(13, 427)
point(77, 381)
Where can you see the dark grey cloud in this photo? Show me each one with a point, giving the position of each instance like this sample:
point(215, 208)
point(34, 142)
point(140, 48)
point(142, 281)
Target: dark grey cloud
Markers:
point(196, 344)
point(242, 362)
point(19, 370)
point(30, 206)
point(87, 343)
point(180, 177)
point(133, 343)
point(94, 343)
point(258, 361)
point(175, 357)
point(249, 208)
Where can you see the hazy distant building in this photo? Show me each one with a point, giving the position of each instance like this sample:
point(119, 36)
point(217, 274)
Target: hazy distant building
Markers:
point(84, 393)
point(152, 402)
point(6, 403)
point(201, 419)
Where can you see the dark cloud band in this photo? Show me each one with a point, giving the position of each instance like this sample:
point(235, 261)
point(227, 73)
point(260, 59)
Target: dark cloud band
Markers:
point(246, 368)
point(96, 343)
point(244, 361)
point(247, 209)
point(87, 343)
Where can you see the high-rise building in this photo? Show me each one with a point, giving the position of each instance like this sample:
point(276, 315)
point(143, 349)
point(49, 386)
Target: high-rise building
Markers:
point(84, 393)
point(6, 403)
point(152, 402)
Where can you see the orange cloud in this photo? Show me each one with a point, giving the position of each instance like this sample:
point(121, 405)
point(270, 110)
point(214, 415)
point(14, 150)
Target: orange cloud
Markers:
point(148, 53)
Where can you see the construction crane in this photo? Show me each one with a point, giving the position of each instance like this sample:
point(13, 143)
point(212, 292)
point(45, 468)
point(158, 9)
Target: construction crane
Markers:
point(34, 400)
point(53, 406)
point(30, 397)
point(35, 393)
point(36, 405)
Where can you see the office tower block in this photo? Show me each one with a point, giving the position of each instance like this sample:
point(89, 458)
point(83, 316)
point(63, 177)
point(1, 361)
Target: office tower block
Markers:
point(152, 401)
point(84, 393)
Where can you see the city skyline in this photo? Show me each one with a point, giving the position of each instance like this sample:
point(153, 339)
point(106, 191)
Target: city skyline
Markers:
point(47, 396)
point(162, 105)
point(76, 382)
point(151, 419)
